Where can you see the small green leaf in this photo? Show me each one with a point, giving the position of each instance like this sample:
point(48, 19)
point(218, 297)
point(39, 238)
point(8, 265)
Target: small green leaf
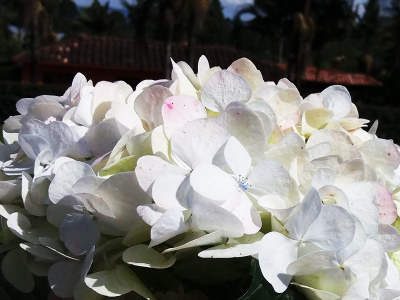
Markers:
point(124, 165)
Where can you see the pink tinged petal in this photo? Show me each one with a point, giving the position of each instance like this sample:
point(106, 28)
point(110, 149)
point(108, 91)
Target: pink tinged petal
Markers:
point(123, 194)
point(213, 183)
point(169, 225)
point(248, 214)
point(386, 206)
point(303, 215)
point(149, 103)
point(337, 99)
point(234, 156)
point(67, 175)
point(198, 141)
point(149, 168)
point(248, 70)
point(388, 237)
point(210, 217)
point(178, 110)
point(223, 88)
point(63, 276)
point(381, 152)
point(332, 230)
point(246, 126)
point(79, 233)
point(270, 177)
point(276, 254)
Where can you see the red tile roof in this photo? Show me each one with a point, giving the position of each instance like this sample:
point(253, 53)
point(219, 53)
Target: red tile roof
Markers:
point(129, 55)
point(104, 51)
point(336, 77)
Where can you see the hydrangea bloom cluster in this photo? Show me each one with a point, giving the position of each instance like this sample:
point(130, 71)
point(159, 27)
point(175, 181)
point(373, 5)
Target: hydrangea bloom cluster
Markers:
point(106, 180)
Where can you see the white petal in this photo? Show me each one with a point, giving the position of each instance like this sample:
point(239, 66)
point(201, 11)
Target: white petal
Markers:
point(165, 190)
point(223, 88)
point(193, 239)
point(148, 105)
point(234, 248)
point(270, 177)
point(303, 215)
point(184, 86)
point(210, 217)
point(246, 126)
point(233, 157)
point(106, 283)
point(63, 277)
point(9, 190)
point(21, 227)
point(388, 237)
point(198, 141)
point(266, 114)
point(248, 70)
point(143, 256)
point(332, 230)
point(248, 214)
point(67, 175)
point(16, 272)
point(213, 183)
point(79, 233)
point(123, 194)
point(169, 225)
point(337, 99)
point(276, 253)
point(102, 137)
point(149, 213)
point(322, 177)
point(313, 263)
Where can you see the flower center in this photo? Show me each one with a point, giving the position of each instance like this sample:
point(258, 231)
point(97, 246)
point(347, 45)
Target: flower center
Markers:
point(243, 183)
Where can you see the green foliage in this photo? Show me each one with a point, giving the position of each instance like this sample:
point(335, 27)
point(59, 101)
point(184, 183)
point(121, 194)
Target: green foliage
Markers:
point(260, 289)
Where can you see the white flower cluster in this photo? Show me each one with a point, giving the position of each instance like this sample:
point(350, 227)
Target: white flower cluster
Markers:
point(106, 179)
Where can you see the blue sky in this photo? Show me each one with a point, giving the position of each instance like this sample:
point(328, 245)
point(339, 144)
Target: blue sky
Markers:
point(230, 6)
